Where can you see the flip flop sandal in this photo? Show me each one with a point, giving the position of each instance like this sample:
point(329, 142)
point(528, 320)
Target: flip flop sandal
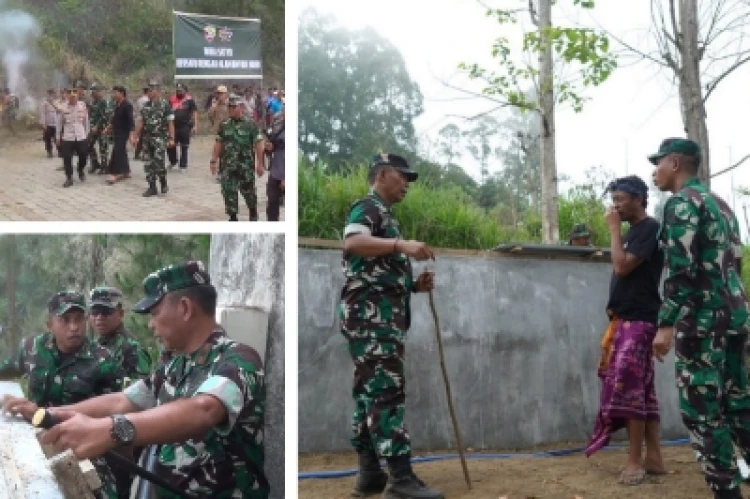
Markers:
point(632, 478)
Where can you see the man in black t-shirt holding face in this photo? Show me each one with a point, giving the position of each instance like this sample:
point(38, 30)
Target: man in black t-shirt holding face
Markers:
point(628, 398)
point(185, 124)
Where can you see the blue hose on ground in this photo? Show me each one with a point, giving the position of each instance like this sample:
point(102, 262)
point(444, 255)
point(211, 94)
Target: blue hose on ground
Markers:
point(441, 457)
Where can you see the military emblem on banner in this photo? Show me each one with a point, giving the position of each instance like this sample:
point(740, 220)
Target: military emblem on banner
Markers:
point(225, 35)
point(209, 33)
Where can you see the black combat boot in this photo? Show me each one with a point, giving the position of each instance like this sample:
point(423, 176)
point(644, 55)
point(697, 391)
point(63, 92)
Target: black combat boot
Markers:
point(94, 166)
point(735, 493)
point(371, 479)
point(404, 484)
point(233, 218)
point(151, 191)
point(81, 175)
point(253, 214)
point(163, 182)
point(69, 181)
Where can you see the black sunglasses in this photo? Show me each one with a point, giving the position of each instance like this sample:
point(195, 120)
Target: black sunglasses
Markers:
point(105, 311)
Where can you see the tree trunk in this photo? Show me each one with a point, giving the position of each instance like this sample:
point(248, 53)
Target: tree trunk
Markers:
point(10, 290)
point(550, 228)
point(691, 93)
point(97, 266)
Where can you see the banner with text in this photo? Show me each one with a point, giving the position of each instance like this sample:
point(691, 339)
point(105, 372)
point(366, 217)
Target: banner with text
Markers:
point(212, 47)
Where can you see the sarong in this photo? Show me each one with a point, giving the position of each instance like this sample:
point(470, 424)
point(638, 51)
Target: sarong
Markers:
point(627, 382)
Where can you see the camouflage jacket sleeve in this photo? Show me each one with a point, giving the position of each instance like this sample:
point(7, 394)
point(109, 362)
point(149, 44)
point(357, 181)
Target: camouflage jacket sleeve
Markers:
point(736, 238)
point(136, 362)
point(678, 237)
point(143, 393)
point(110, 375)
point(237, 382)
point(12, 367)
point(167, 110)
point(364, 218)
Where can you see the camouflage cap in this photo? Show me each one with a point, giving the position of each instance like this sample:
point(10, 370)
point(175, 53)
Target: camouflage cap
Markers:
point(171, 278)
point(80, 84)
point(154, 84)
point(234, 100)
point(106, 296)
point(396, 162)
point(94, 87)
point(65, 300)
point(181, 86)
point(579, 230)
point(676, 146)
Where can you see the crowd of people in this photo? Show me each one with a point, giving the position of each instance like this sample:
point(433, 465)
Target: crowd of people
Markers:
point(95, 129)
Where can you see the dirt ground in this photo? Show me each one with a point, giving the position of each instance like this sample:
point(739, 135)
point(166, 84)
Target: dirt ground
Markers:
point(569, 477)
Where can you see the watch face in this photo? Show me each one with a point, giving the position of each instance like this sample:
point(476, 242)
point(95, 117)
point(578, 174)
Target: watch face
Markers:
point(124, 430)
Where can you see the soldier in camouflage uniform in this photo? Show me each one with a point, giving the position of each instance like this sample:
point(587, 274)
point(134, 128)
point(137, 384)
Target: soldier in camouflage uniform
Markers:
point(239, 147)
point(706, 312)
point(375, 316)
point(100, 114)
point(204, 405)
point(106, 319)
point(64, 367)
point(579, 236)
point(157, 128)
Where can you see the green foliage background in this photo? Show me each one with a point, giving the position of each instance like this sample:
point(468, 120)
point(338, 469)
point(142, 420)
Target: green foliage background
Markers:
point(444, 216)
point(33, 267)
point(130, 41)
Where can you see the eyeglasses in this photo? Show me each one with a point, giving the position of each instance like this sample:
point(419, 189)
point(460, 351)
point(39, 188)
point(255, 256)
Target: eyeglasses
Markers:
point(104, 311)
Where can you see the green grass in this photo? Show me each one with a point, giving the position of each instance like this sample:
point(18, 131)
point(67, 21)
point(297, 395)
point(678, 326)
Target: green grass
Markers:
point(443, 217)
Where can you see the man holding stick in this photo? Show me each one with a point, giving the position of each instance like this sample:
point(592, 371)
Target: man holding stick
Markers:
point(705, 310)
point(375, 316)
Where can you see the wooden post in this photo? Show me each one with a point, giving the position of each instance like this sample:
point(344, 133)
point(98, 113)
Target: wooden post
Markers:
point(456, 431)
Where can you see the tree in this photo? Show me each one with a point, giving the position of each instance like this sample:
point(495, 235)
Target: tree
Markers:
point(482, 142)
point(356, 97)
point(585, 48)
point(11, 260)
point(449, 143)
point(700, 46)
point(521, 157)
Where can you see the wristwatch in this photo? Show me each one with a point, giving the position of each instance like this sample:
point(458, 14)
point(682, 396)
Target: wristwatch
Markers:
point(123, 431)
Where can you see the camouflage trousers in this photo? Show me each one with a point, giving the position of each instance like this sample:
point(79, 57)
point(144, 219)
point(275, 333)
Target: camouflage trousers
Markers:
point(102, 160)
point(153, 154)
point(109, 484)
point(240, 180)
point(715, 403)
point(379, 392)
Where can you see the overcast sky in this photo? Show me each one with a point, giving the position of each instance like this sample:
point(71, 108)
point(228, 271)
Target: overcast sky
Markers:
point(625, 119)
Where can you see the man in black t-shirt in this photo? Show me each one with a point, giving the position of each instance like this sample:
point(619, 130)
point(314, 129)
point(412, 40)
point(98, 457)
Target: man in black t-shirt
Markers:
point(185, 124)
point(628, 397)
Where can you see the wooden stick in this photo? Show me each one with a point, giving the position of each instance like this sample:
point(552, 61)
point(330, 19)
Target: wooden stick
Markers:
point(448, 391)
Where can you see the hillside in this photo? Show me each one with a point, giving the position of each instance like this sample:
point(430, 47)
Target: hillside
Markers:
point(126, 41)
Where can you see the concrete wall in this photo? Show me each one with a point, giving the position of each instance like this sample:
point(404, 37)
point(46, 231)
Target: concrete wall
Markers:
point(24, 472)
point(248, 272)
point(521, 341)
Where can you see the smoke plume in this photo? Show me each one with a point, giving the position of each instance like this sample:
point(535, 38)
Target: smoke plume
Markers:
point(19, 33)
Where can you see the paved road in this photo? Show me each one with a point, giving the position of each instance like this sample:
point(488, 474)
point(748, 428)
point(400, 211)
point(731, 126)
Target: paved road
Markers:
point(31, 189)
